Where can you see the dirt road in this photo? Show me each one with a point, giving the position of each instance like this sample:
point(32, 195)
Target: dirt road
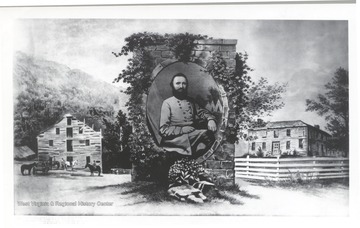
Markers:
point(78, 193)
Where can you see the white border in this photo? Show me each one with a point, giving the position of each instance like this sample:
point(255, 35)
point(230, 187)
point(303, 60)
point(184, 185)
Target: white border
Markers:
point(15, 3)
point(289, 12)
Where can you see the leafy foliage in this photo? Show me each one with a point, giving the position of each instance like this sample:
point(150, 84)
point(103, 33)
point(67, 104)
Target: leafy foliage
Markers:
point(185, 171)
point(334, 105)
point(249, 100)
point(181, 44)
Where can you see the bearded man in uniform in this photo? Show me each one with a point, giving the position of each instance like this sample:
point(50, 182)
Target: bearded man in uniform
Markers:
point(179, 120)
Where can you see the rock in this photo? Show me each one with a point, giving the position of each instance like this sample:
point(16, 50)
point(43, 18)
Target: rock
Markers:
point(194, 199)
point(187, 192)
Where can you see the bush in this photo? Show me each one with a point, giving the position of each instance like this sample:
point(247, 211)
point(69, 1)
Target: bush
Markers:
point(185, 171)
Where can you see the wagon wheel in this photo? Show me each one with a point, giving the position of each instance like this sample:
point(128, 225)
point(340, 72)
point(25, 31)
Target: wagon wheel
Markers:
point(57, 165)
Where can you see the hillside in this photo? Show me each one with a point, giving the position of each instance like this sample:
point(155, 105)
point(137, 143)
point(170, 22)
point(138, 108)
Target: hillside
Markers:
point(44, 91)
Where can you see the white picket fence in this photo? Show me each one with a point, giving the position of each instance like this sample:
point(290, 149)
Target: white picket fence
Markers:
point(285, 168)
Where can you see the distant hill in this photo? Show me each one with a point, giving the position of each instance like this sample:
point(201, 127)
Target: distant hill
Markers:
point(45, 90)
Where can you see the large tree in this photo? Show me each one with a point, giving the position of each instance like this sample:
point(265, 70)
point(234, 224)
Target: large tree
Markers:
point(334, 106)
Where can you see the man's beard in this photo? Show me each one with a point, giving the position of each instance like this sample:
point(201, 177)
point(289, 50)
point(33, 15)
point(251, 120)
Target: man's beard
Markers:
point(180, 94)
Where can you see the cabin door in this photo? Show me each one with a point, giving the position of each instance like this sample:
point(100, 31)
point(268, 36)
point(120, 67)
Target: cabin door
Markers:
point(87, 159)
point(276, 148)
point(69, 159)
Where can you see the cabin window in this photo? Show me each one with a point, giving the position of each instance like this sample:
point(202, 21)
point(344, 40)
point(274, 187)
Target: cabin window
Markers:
point(301, 143)
point(69, 121)
point(69, 145)
point(276, 134)
point(287, 145)
point(69, 159)
point(51, 142)
point(253, 146)
point(80, 130)
point(264, 145)
point(288, 132)
point(69, 132)
point(87, 142)
point(57, 130)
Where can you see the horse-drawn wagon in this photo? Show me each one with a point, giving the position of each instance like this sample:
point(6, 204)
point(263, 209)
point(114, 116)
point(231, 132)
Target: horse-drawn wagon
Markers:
point(45, 163)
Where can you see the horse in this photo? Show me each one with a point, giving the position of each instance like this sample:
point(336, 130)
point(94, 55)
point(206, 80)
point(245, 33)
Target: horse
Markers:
point(27, 167)
point(66, 164)
point(93, 168)
point(56, 164)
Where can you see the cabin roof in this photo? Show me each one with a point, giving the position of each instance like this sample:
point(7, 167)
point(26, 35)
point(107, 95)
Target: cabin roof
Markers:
point(21, 152)
point(65, 116)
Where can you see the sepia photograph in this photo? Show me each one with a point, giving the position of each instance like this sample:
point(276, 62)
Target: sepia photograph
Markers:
point(180, 117)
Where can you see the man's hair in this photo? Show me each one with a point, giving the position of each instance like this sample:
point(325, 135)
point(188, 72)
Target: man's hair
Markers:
point(178, 75)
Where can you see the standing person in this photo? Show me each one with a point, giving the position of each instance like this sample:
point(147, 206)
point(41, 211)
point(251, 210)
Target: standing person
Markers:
point(178, 122)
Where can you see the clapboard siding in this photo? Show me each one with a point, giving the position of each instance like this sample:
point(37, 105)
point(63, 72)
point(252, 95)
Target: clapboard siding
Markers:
point(79, 148)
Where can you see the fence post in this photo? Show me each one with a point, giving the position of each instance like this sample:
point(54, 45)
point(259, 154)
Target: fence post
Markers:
point(342, 167)
point(247, 165)
point(278, 167)
point(314, 167)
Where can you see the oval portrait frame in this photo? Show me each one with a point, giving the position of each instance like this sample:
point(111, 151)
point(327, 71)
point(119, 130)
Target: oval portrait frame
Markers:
point(201, 87)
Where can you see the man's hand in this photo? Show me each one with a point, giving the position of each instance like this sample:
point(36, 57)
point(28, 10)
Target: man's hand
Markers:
point(212, 125)
point(187, 129)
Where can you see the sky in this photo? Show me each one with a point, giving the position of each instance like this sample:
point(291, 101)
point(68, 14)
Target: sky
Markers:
point(303, 53)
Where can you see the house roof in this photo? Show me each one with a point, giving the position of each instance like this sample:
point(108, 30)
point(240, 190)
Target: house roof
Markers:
point(22, 152)
point(287, 124)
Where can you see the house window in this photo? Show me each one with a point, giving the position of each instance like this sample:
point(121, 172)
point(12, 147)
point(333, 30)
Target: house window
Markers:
point(69, 121)
point(288, 145)
point(69, 132)
point(69, 145)
point(301, 143)
point(87, 142)
point(288, 132)
point(80, 130)
point(253, 146)
point(57, 130)
point(264, 145)
point(264, 134)
point(51, 142)
point(276, 134)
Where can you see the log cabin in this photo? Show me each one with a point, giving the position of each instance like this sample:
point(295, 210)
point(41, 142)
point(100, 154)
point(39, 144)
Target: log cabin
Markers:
point(71, 139)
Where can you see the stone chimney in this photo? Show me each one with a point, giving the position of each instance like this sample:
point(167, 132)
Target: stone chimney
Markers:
point(317, 126)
